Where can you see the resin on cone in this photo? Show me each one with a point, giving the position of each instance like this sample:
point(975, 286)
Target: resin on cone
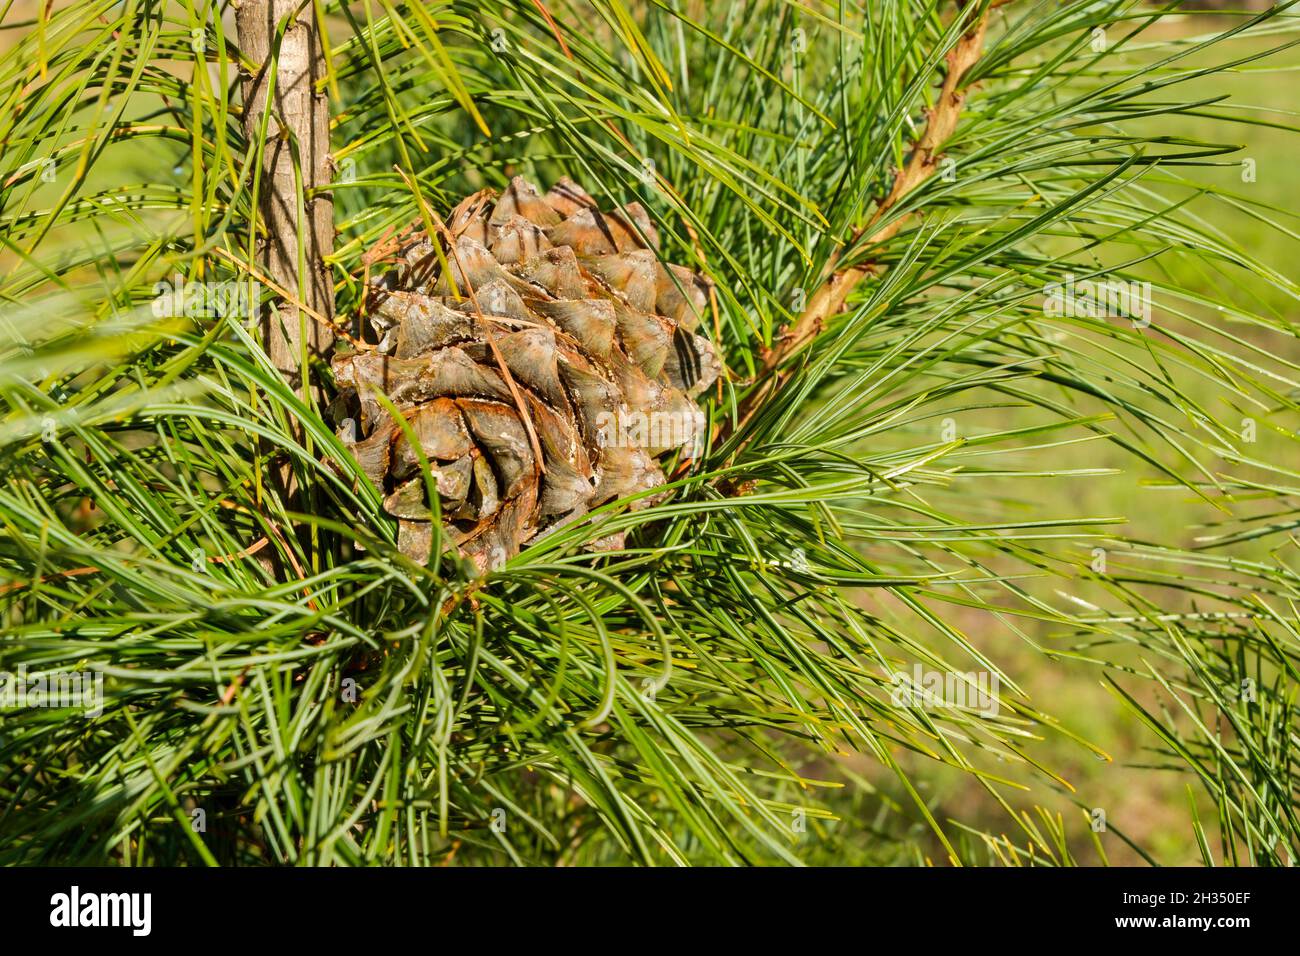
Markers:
point(543, 371)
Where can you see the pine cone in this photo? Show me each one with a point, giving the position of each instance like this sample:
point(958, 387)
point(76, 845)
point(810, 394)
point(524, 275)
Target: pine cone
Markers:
point(542, 372)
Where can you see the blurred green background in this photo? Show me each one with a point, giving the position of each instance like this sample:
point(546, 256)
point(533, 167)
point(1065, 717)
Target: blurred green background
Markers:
point(1141, 792)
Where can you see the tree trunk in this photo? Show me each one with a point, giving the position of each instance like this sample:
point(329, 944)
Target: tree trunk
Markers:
point(298, 126)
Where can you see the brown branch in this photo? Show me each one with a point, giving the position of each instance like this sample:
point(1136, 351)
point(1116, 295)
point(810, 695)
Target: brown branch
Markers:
point(297, 128)
point(924, 160)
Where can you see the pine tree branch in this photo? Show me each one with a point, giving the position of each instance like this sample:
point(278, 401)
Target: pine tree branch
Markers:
point(923, 161)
